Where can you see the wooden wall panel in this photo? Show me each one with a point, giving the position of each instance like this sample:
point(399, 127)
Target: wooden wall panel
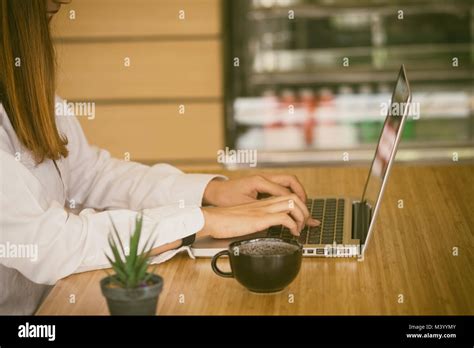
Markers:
point(129, 18)
point(151, 132)
point(172, 62)
point(163, 69)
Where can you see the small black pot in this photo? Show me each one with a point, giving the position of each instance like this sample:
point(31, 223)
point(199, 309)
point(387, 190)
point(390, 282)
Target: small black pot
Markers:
point(138, 301)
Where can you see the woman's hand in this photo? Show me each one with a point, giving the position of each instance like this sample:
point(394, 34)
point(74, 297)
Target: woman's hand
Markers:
point(245, 190)
point(227, 222)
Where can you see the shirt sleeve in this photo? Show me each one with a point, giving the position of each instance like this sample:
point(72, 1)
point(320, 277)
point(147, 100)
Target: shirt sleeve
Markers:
point(99, 181)
point(45, 242)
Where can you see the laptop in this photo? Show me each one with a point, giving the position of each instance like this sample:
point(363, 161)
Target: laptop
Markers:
point(346, 223)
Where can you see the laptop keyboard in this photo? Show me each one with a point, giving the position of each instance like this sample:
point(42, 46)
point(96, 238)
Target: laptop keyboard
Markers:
point(330, 212)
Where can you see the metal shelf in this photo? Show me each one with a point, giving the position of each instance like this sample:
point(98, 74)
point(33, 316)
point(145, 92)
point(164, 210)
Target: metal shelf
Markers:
point(321, 11)
point(442, 154)
point(410, 49)
point(353, 76)
point(434, 70)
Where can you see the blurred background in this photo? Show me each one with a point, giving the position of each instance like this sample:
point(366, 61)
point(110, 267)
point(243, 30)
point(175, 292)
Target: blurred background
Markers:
point(301, 81)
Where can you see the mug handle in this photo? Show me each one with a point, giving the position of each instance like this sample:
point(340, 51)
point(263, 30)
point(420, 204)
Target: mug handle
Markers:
point(216, 269)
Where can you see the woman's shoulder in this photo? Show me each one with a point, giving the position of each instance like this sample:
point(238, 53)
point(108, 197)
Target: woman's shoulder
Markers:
point(2, 109)
point(66, 123)
point(6, 130)
point(65, 117)
point(83, 109)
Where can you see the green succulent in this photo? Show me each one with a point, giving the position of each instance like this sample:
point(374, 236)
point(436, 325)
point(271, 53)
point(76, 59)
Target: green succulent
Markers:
point(130, 269)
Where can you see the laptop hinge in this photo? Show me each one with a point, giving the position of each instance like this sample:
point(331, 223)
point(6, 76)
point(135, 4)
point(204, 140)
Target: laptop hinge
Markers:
point(361, 215)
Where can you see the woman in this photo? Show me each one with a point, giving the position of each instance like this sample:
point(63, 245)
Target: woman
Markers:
point(55, 186)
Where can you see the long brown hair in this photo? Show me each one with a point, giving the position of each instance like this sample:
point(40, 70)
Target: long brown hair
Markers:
point(27, 77)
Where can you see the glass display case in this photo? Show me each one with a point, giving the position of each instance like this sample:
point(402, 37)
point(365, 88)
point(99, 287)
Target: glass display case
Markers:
point(310, 79)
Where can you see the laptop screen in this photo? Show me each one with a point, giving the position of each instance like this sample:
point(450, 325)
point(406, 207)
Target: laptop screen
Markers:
point(397, 110)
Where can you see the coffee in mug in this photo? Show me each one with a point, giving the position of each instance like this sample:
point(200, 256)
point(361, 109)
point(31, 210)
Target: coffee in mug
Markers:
point(262, 264)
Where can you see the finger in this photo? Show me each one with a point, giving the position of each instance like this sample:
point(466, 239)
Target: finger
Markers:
point(298, 216)
point(295, 200)
point(285, 220)
point(292, 209)
point(281, 204)
point(289, 181)
point(253, 203)
point(269, 220)
point(268, 202)
point(263, 185)
point(244, 199)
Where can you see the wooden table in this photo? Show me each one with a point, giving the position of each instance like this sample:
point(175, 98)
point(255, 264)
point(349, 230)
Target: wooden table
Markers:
point(419, 261)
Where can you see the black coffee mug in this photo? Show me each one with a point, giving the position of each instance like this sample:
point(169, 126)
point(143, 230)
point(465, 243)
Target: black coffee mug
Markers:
point(262, 272)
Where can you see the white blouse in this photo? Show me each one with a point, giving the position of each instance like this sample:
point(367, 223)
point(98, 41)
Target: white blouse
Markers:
point(53, 224)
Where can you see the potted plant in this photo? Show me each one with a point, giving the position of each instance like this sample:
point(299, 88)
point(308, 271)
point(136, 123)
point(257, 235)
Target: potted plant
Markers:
point(131, 290)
